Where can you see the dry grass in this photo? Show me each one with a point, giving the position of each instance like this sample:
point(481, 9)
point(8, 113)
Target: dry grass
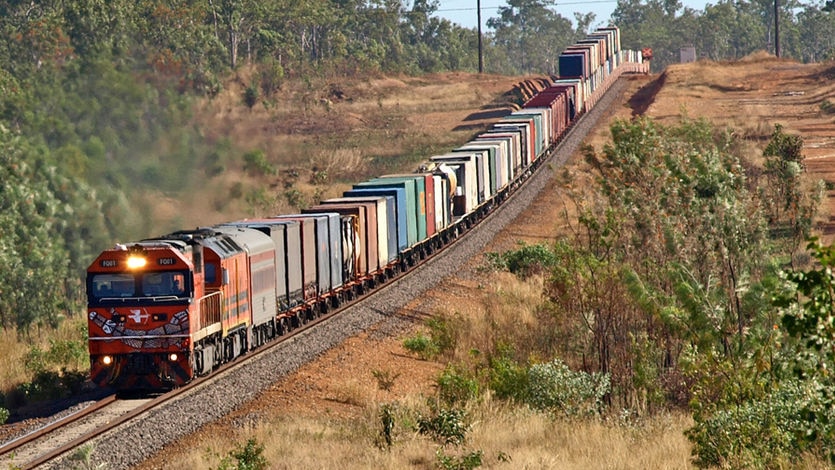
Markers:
point(509, 437)
point(322, 132)
point(14, 349)
point(13, 352)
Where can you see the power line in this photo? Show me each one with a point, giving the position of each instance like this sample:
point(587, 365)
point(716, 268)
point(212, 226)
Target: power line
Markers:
point(501, 6)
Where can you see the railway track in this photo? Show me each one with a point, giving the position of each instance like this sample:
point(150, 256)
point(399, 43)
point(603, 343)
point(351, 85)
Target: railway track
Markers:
point(122, 433)
point(46, 443)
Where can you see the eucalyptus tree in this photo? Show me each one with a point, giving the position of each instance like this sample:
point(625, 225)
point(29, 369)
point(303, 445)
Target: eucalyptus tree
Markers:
point(816, 34)
point(728, 30)
point(653, 24)
point(532, 34)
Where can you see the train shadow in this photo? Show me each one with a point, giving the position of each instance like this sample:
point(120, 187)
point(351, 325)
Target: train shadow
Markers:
point(48, 408)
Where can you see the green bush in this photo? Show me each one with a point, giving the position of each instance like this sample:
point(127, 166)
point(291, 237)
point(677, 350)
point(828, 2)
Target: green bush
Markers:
point(4, 415)
point(51, 385)
point(256, 164)
point(271, 77)
point(247, 457)
point(455, 387)
point(766, 432)
point(443, 335)
point(524, 262)
point(556, 388)
point(387, 420)
point(445, 426)
point(251, 95)
point(509, 380)
point(827, 107)
point(466, 461)
point(441, 339)
point(421, 345)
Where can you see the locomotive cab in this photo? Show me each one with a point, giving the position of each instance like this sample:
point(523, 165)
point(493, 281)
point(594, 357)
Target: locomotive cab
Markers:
point(138, 304)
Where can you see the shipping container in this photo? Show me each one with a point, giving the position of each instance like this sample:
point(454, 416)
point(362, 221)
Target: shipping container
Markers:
point(578, 94)
point(442, 213)
point(503, 157)
point(483, 179)
point(309, 259)
point(515, 144)
point(525, 130)
point(419, 188)
point(386, 223)
point(286, 237)
point(615, 36)
point(573, 65)
point(328, 248)
point(372, 230)
point(543, 132)
point(412, 203)
point(366, 250)
point(397, 205)
point(497, 171)
point(466, 174)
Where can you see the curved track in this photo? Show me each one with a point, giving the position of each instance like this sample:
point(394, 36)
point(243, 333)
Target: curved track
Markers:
point(122, 433)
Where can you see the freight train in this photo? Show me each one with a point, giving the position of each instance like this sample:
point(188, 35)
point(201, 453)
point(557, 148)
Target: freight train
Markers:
point(164, 310)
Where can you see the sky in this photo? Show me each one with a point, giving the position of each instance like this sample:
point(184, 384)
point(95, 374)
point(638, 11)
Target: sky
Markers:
point(464, 12)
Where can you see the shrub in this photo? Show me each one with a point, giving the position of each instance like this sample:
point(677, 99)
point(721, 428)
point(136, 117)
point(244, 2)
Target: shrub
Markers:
point(295, 198)
point(50, 385)
point(556, 388)
point(467, 461)
point(421, 345)
point(385, 379)
point(247, 457)
point(4, 415)
point(256, 164)
point(445, 426)
point(455, 387)
point(765, 432)
point(827, 107)
point(508, 380)
point(386, 436)
point(251, 95)
point(441, 339)
point(528, 260)
point(442, 333)
point(271, 77)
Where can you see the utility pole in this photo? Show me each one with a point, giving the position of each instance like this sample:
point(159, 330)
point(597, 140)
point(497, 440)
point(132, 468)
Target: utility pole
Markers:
point(776, 28)
point(480, 51)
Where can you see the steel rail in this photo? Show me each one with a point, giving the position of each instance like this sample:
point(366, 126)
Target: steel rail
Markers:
point(242, 361)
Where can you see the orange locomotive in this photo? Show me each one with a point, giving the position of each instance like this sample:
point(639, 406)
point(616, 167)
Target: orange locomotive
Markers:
point(162, 311)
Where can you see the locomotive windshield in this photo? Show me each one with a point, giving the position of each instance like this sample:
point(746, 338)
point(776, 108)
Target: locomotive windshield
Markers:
point(110, 286)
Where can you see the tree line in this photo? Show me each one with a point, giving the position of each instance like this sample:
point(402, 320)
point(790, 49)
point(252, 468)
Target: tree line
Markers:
point(96, 95)
point(96, 99)
point(728, 29)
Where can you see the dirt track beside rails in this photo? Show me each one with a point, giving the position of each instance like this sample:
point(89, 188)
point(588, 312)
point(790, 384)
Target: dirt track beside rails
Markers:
point(750, 96)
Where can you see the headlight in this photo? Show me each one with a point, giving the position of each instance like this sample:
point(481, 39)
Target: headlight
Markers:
point(107, 360)
point(172, 357)
point(136, 262)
